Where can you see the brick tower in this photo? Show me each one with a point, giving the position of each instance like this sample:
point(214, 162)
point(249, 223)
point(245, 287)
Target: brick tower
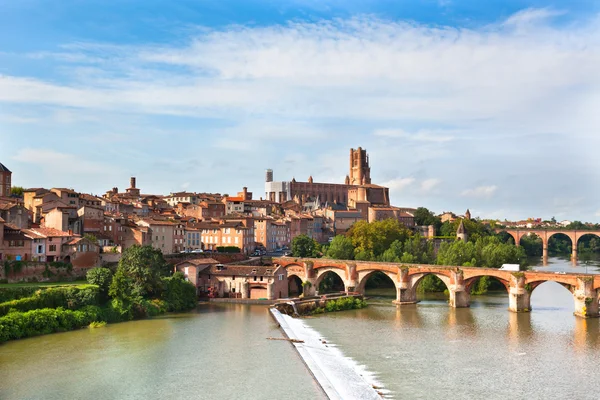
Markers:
point(360, 172)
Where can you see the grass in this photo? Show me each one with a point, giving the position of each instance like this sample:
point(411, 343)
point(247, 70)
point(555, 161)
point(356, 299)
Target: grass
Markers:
point(42, 284)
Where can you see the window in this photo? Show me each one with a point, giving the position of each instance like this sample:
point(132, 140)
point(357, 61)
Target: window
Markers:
point(255, 279)
point(280, 277)
point(261, 278)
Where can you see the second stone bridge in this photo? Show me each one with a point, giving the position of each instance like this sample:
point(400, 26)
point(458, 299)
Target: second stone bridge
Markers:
point(585, 288)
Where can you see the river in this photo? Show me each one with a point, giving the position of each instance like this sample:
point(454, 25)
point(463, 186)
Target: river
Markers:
point(421, 351)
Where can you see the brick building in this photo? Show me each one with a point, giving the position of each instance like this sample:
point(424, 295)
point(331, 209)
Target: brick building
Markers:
point(5, 181)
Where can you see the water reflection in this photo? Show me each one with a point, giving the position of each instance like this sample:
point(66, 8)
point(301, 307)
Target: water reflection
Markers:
point(519, 328)
point(586, 335)
point(409, 316)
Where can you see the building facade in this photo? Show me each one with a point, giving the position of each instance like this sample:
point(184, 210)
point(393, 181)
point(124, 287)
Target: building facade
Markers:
point(5, 181)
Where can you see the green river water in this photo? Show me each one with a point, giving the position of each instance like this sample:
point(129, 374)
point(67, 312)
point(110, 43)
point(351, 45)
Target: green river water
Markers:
point(424, 351)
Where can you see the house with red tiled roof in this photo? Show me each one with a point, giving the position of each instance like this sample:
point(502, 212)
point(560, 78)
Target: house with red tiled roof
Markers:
point(15, 213)
point(15, 244)
point(46, 245)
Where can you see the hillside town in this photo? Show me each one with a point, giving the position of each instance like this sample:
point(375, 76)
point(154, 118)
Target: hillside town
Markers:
point(64, 225)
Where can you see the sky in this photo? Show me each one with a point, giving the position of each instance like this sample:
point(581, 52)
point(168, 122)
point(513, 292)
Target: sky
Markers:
point(488, 105)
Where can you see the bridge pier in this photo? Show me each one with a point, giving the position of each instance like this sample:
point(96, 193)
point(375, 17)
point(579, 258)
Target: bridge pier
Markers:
point(459, 298)
point(519, 298)
point(405, 296)
point(586, 298)
point(574, 253)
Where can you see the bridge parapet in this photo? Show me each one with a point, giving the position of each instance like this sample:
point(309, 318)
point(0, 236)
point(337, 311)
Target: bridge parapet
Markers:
point(458, 280)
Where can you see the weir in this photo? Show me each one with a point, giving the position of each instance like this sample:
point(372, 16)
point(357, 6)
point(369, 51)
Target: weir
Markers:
point(338, 378)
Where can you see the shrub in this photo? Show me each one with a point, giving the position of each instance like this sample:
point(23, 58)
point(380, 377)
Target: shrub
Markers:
point(179, 294)
point(96, 324)
point(228, 249)
point(67, 297)
point(17, 325)
point(15, 293)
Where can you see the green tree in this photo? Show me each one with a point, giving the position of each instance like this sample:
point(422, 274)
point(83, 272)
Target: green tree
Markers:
point(144, 266)
point(305, 246)
point(373, 239)
point(340, 248)
point(424, 217)
point(394, 253)
point(101, 277)
point(17, 191)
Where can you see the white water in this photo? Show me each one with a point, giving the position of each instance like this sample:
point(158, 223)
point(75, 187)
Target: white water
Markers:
point(339, 376)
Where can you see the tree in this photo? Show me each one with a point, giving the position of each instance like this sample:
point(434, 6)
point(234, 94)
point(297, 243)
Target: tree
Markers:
point(17, 191)
point(144, 266)
point(340, 248)
point(424, 217)
point(371, 240)
point(305, 246)
point(101, 277)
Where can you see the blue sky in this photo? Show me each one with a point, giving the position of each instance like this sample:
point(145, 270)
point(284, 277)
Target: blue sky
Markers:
point(487, 105)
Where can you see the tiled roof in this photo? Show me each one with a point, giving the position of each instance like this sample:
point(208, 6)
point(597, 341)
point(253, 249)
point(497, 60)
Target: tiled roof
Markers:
point(49, 232)
point(234, 199)
point(199, 261)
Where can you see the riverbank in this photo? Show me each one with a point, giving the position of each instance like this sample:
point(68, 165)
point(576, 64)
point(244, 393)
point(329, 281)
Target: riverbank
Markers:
point(338, 378)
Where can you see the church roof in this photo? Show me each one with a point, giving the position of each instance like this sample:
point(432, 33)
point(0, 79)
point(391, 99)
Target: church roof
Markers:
point(3, 168)
point(461, 228)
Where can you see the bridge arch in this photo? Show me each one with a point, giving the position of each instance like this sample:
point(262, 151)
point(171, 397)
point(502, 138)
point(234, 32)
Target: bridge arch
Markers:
point(584, 234)
point(328, 271)
point(417, 278)
point(362, 284)
point(294, 285)
point(472, 281)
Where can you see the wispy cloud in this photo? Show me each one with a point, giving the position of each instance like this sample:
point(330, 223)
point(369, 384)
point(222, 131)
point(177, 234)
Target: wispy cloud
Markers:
point(399, 184)
point(429, 184)
point(54, 162)
point(480, 191)
point(420, 136)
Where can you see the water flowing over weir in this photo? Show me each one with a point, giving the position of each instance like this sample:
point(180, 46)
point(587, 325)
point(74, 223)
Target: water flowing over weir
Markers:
point(339, 377)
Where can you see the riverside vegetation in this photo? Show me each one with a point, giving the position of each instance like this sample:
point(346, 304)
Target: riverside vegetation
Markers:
point(141, 287)
point(391, 241)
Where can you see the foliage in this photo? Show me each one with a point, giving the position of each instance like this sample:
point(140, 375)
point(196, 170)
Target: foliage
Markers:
point(431, 283)
point(17, 191)
point(475, 228)
point(179, 294)
point(96, 324)
point(305, 246)
point(14, 266)
point(15, 293)
point(340, 248)
point(143, 266)
point(424, 217)
point(371, 240)
point(67, 297)
point(92, 238)
point(102, 277)
point(228, 249)
point(17, 325)
point(344, 303)
point(486, 252)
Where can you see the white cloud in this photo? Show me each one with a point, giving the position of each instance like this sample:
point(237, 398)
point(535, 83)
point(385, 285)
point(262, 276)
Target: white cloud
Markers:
point(480, 192)
point(399, 184)
point(532, 16)
point(429, 184)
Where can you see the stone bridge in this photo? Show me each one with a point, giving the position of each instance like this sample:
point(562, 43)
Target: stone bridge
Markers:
point(459, 280)
point(546, 234)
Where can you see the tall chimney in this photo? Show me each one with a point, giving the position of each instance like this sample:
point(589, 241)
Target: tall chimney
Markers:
point(245, 190)
point(132, 182)
point(269, 176)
